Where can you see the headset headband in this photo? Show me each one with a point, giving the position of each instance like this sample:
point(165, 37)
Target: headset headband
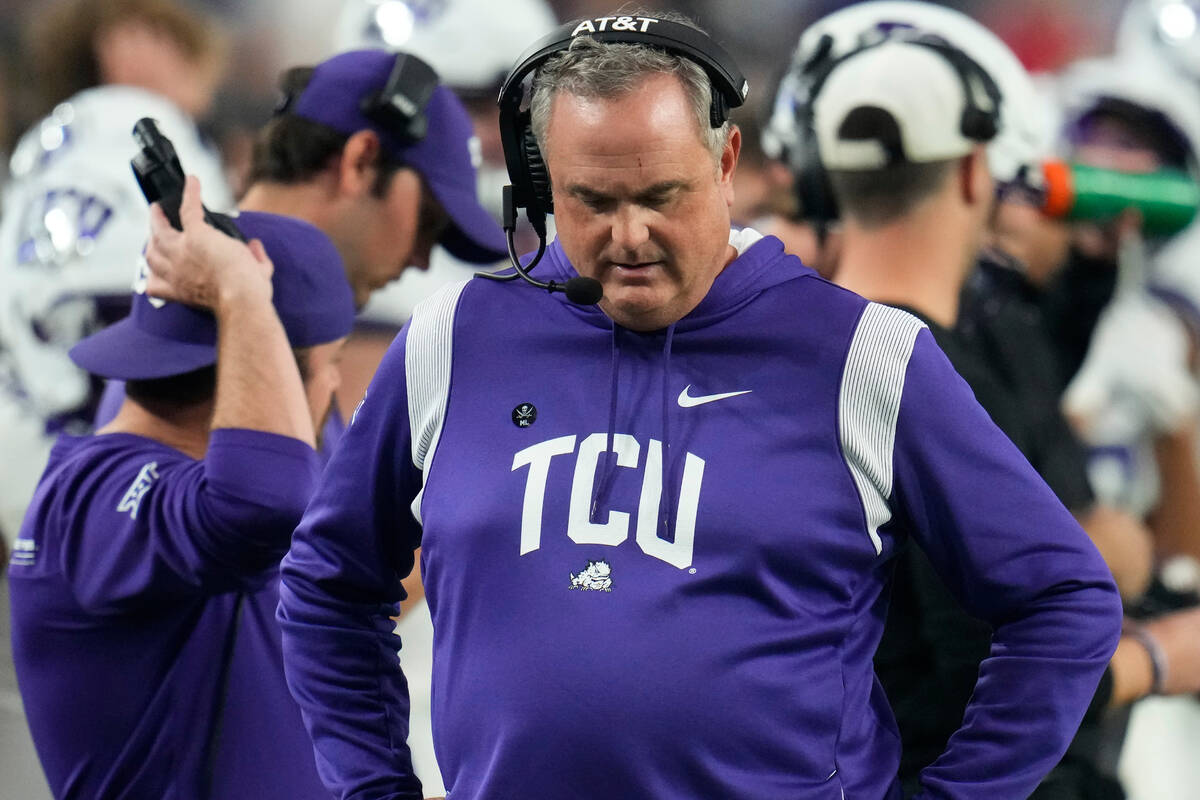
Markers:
point(729, 85)
point(397, 107)
point(526, 168)
point(980, 121)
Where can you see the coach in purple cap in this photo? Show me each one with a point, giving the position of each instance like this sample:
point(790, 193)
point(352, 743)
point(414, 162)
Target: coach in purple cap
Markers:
point(372, 149)
point(145, 584)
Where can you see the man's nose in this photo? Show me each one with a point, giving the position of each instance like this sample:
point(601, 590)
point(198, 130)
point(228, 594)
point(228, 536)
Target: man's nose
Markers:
point(421, 255)
point(630, 229)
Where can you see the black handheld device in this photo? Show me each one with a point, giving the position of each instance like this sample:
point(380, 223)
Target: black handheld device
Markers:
point(161, 178)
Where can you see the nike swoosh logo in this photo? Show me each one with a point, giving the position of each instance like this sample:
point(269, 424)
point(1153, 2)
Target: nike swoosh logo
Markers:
point(687, 401)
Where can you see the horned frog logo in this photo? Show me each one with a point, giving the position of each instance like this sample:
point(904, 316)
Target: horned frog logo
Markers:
point(596, 578)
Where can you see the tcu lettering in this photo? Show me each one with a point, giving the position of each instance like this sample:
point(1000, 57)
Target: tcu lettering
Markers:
point(615, 529)
point(618, 24)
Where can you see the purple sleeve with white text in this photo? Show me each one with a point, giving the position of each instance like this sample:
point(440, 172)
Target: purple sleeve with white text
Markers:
point(189, 526)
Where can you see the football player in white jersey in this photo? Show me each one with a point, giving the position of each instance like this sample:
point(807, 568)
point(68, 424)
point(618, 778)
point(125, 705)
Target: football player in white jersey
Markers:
point(73, 216)
point(1138, 385)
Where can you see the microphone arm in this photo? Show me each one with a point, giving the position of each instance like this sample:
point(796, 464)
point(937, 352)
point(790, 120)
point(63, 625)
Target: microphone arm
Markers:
point(580, 290)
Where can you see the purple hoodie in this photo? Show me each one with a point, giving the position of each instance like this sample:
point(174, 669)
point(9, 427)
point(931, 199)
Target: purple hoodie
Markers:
point(696, 615)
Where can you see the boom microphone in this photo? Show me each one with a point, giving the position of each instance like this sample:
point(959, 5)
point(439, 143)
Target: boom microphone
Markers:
point(579, 290)
point(584, 291)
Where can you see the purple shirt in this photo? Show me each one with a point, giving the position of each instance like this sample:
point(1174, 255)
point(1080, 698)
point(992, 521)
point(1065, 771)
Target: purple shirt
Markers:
point(143, 633)
point(694, 616)
point(114, 395)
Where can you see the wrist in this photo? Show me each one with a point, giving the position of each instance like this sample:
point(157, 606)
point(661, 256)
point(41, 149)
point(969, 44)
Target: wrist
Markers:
point(240, 295)
point(1155, 653)
point(1132, 673)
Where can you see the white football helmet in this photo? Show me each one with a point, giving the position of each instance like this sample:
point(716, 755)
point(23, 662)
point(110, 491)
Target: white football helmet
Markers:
point(471, 43)
point(1168, 30)
point(73, 226)
point(1020, 141)
point(1136, 79)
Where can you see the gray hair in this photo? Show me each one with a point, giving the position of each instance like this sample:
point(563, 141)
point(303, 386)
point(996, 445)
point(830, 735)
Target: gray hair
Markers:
point(605, 70)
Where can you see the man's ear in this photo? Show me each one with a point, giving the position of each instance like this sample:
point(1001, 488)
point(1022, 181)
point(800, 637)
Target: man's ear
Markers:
point(729, 160)
point(359, 163)
point(975, 177)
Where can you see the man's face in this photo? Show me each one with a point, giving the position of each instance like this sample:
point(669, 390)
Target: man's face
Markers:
point(383, 233)
point(136, 52)
point(1110, 142)
point(640, 204)
point(1041, 243)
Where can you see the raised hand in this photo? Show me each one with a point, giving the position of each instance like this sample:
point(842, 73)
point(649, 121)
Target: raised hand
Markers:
point(200, 265)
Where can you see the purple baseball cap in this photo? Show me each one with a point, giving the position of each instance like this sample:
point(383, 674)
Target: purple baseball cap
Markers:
point(159, 339)
point(334, 98)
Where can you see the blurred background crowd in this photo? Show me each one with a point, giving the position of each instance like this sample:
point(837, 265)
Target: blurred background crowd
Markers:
point(259, 39)
point(225, 70)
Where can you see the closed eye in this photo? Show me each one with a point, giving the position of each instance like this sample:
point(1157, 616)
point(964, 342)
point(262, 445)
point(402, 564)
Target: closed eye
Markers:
point(660, 194)
point(654, 197)
point(654, 200)
point(598, 203)
point(593, 200)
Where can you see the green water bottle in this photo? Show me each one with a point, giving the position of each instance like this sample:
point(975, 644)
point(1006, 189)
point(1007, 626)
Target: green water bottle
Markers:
point(1167, 199)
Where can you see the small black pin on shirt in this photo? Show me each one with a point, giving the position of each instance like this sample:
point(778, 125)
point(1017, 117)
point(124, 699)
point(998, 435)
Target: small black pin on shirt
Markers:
point(524, 415)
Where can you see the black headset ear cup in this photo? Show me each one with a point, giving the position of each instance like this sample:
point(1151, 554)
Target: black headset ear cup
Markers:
point(539, 175)
point(980, 121)
point(978, 124)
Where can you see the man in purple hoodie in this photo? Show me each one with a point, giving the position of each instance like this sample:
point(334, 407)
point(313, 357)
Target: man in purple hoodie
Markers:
point(145, 577)
point(657, 535)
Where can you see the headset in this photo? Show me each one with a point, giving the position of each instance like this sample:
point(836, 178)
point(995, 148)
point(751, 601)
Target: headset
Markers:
point(398, 107)
point(815, 199)
point(530, 188)
point(980, 119)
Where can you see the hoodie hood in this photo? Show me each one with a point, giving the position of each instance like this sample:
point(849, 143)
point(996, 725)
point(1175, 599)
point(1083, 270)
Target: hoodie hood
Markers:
point(760, 264)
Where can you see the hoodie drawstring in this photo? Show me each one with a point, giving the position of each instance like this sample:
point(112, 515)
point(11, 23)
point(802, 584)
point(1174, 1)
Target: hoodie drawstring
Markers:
point(667, 499)
point(602, 486)
point(609, 458)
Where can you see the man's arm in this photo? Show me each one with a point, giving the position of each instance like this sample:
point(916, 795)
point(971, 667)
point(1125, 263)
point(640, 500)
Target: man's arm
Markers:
point(178, 526)
point(1015, 557)
point(1174, 520)
point(258, 382)
point(340, 584)
point(155, 524)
